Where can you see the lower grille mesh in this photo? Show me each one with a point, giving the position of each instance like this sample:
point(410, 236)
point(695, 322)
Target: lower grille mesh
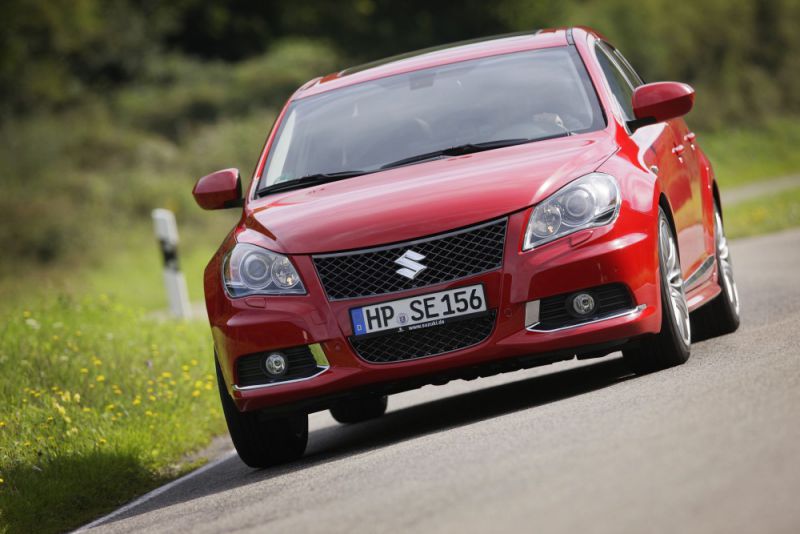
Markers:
point(409, 345)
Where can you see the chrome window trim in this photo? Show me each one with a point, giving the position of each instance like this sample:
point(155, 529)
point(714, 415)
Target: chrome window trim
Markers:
point(624, 313)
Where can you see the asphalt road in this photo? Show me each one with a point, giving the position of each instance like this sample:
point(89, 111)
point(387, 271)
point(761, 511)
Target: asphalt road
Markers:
point(711, 446)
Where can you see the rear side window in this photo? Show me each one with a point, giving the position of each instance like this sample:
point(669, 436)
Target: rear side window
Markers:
point(620, 87)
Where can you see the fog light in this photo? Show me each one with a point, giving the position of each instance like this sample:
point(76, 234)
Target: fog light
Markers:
point(276, 364)
point(582, 304)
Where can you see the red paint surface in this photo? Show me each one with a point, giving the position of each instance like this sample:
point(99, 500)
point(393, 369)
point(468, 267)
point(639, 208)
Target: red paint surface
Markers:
point(441, 195)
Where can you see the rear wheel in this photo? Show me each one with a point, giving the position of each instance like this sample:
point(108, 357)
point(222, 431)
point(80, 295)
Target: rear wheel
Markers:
point(263, 442)
point(721, 315)
point(671, 346)
point(356, 410)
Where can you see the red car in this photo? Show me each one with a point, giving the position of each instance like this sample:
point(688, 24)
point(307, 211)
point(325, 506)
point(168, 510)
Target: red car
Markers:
point(460, 212)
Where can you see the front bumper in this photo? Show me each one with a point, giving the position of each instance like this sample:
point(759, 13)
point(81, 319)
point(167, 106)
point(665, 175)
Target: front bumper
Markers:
point(617, 253)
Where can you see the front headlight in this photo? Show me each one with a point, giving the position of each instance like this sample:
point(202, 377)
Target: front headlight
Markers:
point(252, 270)
point(592, 200)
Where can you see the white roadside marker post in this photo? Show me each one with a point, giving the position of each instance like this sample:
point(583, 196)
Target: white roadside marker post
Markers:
point(174, 281)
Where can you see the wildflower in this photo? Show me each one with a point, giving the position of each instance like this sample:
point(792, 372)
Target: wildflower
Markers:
point(86, 409)
point(208, 386)
point(166, 374)
point(110, 407)
point(196, 393)
point(185, 368)
point(137, 401)
point(72, 431)
point(84, 371)
point(76, 398)
point(101, 378)
point(97, 362)
point(2, 424)
point(26, 313)
point(101, 441)
point(1, 481)
point(152, 398)
point(194, 362)
point(60, 409)
point(148, 413)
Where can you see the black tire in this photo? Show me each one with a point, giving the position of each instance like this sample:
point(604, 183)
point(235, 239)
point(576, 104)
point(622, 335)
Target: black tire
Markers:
point(263, 442)
point(721, 315)
point(669, 347)
point(351, 411)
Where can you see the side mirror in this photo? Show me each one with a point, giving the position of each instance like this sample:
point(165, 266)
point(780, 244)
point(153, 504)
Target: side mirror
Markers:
point(219, 190)
point(659, 102)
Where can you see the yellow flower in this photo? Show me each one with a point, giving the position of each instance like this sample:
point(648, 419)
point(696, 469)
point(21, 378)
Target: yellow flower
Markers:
point(137, 401)
point(166, 374)
point(110, 407)
point(97, 362)
point(76, 398)
point(152, 398)
point(185, 368)
point(101, 378)
point(102, 441)
point(84, 371)
point(208, 386)
point(2, 424)
point(194, 362)
point(26, 314)
point(87, 409)
point(196, 393)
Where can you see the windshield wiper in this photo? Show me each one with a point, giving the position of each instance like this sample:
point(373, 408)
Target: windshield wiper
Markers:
point(468, 148)
point(311, 179)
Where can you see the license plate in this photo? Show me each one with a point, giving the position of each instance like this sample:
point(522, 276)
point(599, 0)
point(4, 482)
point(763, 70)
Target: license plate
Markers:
point(417, 312)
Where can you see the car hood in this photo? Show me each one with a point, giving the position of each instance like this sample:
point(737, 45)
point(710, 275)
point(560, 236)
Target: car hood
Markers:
point(422, 199)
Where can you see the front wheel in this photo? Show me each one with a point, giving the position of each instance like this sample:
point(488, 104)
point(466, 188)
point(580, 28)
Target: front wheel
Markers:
point(671, 346)
point(263, 442)
point(721, 315)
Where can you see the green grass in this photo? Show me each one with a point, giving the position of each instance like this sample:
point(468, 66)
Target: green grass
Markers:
point(763, 215)
point(99, 404)
point(746, 155)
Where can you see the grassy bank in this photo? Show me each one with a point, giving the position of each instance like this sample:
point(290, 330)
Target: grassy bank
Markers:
point(743, 155)
point(99, 404)
point(764, 214)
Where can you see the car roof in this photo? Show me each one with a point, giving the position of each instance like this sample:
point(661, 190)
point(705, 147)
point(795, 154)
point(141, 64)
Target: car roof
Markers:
point(440, 55)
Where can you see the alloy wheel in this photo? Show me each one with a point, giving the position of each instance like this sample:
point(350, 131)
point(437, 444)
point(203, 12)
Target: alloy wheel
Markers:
point(725, 265)
point(675, 290)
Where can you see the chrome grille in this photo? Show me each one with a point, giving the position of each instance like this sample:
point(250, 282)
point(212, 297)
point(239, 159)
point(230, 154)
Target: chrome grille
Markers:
point(432, 341)
point(447, 257)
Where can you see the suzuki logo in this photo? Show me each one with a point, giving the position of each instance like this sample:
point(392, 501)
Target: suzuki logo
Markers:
point(410, 263)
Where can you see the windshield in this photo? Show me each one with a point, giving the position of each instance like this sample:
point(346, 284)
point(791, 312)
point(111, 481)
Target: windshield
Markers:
point(524, 96)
